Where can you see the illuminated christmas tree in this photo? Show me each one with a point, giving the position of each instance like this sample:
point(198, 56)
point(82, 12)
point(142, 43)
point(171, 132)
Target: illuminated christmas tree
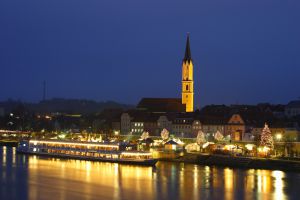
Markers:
point(218, 136)
point(266, 138)
point(145, 135)
point(164, 134)
point(200, 138)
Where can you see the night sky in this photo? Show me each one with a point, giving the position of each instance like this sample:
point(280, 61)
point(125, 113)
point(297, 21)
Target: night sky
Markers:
point(244, 51)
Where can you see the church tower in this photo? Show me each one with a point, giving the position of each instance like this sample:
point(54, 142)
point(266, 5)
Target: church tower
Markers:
point(187, 79)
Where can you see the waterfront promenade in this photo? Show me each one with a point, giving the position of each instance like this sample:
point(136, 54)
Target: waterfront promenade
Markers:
point(285, 164)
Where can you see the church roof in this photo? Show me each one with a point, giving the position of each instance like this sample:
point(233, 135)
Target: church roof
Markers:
point(187, 55)
point(161, 105)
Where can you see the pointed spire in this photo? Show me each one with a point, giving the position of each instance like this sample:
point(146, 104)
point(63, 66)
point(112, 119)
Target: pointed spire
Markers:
point(187, 56)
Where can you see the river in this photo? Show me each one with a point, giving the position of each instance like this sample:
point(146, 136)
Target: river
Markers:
point(33, 177)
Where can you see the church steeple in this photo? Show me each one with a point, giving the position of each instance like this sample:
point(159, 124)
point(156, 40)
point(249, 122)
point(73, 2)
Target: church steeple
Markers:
point(187, 55)
point(187, 90)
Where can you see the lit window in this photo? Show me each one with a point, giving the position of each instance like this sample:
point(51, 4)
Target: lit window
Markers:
point(34, 149)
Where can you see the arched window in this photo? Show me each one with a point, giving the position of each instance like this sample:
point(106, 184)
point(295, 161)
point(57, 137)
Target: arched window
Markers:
point(186, 87)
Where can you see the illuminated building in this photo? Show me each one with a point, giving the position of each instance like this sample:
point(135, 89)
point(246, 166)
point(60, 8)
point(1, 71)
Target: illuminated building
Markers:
point(186, 103)
point(187, 79)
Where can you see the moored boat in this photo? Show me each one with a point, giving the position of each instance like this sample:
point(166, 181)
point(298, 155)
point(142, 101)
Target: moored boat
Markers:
point(106, 152)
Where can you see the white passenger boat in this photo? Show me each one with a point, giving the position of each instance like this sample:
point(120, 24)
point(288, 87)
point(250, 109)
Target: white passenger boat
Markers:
point(108, 152)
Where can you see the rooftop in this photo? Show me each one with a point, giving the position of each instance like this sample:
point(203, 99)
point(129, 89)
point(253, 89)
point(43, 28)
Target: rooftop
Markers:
point(161, 105)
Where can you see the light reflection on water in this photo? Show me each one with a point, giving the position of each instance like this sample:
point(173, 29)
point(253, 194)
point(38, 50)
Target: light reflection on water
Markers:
point(33, 177)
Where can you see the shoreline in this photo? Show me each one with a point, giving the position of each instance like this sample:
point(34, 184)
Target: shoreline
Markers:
point(237, 162)
point(284, 164)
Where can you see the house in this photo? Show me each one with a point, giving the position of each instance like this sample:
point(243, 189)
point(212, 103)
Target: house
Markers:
point(161, 105)
point(292, 108)
point(186, 127)
point(235, 127)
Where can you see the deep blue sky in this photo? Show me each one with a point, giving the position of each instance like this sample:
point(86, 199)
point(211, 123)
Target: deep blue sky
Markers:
point(244, 51)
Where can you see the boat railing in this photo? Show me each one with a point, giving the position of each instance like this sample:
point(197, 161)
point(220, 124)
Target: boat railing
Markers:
point(77, 150)
point(73, 148)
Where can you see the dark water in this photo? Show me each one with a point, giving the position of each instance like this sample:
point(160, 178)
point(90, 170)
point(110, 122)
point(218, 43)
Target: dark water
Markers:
point(32, 177)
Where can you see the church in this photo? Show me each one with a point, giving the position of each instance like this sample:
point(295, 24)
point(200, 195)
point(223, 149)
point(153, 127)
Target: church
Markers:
point(183, 104)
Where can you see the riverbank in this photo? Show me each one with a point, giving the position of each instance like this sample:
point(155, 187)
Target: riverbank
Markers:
point(284, 164)
point(238, 162)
